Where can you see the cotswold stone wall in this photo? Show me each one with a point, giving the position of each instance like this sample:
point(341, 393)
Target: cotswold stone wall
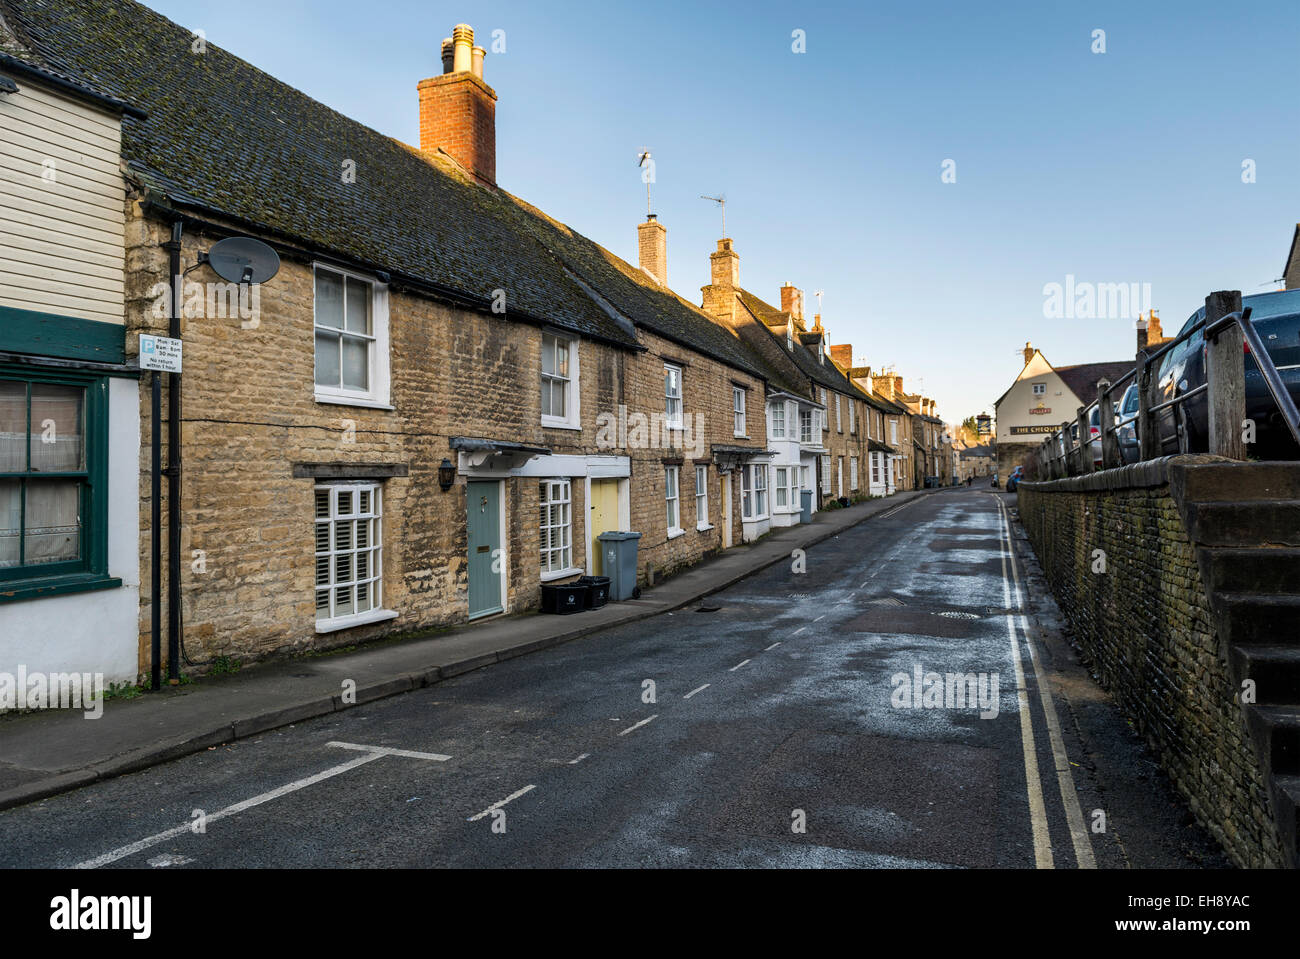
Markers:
point(1146, 629)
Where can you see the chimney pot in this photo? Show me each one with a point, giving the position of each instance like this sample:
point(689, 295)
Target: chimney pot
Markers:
point(463, 38)
point(1029, 353)
point(458, 110)
point(478, 53)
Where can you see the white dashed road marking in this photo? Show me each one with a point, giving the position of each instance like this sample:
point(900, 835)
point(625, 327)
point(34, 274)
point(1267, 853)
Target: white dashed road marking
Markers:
point(694, 691)
point(639, 725)
point(497, 805)
point(737, 666)
point(772, 647)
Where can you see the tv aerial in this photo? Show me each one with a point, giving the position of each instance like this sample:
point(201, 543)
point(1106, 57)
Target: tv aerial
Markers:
point(722, 202)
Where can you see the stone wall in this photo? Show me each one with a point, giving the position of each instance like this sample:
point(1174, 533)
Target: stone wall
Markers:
point(1145, 628)
point(251, 415)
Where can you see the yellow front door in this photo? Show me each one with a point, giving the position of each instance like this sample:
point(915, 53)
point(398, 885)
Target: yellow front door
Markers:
point(604, 518)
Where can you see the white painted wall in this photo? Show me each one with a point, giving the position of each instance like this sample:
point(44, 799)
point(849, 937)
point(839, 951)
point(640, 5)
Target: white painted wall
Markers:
point(97, 632)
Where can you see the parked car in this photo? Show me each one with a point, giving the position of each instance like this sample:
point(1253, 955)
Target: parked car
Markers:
point(1183, 369)
point(1014, 479)
point(1126, 421)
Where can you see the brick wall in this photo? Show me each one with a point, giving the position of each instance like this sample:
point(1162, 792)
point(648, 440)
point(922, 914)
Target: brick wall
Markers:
point(458, 115)
point(1145, 629)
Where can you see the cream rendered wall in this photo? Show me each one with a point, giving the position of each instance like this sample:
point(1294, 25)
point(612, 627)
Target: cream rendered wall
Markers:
point(62, 206)
point(1014, 409)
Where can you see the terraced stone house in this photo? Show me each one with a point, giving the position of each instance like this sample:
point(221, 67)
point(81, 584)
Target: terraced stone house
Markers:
point(443, 396)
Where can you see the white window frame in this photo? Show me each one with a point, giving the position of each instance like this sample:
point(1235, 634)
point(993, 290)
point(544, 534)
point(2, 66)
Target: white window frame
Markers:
point(673, 500)
point(373, 582)
point(379, 395)
point(674, 404)
point(738, 410)
point(753, 492)
point(826, 474)
point(778, 421)
point(853, 418)
point(572, 420)
point(808, 436)
point(853, 474)
point(893, 431)
point(826, 420)
point(1040, 389)
point(875, 467)
point(805, 478)
point(839, 420)
point(782, 488)
point(556, 561)
point(702, 498)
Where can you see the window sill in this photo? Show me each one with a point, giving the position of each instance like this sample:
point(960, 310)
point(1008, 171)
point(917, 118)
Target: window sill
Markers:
point(562, 574)
point(13, 591)
point(703, 527)
point(553, 424)
point(740, 436)
point(349, 622)
point(361, 401)
point(675, 532)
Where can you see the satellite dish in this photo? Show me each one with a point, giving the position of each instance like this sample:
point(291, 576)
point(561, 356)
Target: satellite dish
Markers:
point(242, 259)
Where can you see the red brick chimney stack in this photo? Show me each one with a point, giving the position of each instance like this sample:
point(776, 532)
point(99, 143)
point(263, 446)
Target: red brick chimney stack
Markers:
point(792, 303)
point(843, 356)
point(458, 109)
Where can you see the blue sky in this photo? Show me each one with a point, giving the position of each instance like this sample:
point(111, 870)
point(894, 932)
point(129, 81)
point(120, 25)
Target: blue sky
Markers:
point(1115, 167)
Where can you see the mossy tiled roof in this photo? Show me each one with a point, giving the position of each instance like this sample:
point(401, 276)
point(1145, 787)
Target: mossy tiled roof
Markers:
point(823, 373)
point(224, 137)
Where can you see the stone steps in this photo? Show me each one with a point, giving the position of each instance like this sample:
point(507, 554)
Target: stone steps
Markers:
point(1277, 730)
point(1247, 523)
point(1229, 482)
point(1275, 670)
point(1258, 618)
point(1275, 570)
point(1286, 807)
point(1244, 520)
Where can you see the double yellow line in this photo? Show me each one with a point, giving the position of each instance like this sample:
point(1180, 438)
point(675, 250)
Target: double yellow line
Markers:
point(1083, 854)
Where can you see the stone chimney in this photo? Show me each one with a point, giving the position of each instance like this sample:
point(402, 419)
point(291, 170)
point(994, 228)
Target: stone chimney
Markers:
point(1029, 353)
point(792, 303)
point(652, 248)
point(843, 356)
point(458, 110)
point(1149, 333)
point(720, 295)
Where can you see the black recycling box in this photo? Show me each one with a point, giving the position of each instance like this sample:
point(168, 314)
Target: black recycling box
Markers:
point(570, 598)
point(597, 590)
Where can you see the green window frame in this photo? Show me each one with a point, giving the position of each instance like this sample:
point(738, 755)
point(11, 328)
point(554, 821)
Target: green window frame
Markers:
point(22, 578)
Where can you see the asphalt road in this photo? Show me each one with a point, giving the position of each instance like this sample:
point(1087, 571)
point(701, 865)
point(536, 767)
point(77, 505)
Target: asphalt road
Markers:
point(768, 728)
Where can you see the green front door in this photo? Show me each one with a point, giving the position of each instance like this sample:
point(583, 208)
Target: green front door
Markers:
point(486, 557)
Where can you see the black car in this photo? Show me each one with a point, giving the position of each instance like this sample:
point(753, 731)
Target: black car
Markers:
point(1183, 369)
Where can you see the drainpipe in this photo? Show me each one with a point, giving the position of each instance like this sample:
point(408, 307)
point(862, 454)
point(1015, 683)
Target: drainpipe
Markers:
point(173, 470)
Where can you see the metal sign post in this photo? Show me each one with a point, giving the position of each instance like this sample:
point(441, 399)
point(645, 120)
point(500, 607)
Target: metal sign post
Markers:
point(161, 355)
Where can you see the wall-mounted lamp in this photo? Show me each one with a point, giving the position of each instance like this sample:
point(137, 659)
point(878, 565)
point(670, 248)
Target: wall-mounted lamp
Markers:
point(446, 474)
